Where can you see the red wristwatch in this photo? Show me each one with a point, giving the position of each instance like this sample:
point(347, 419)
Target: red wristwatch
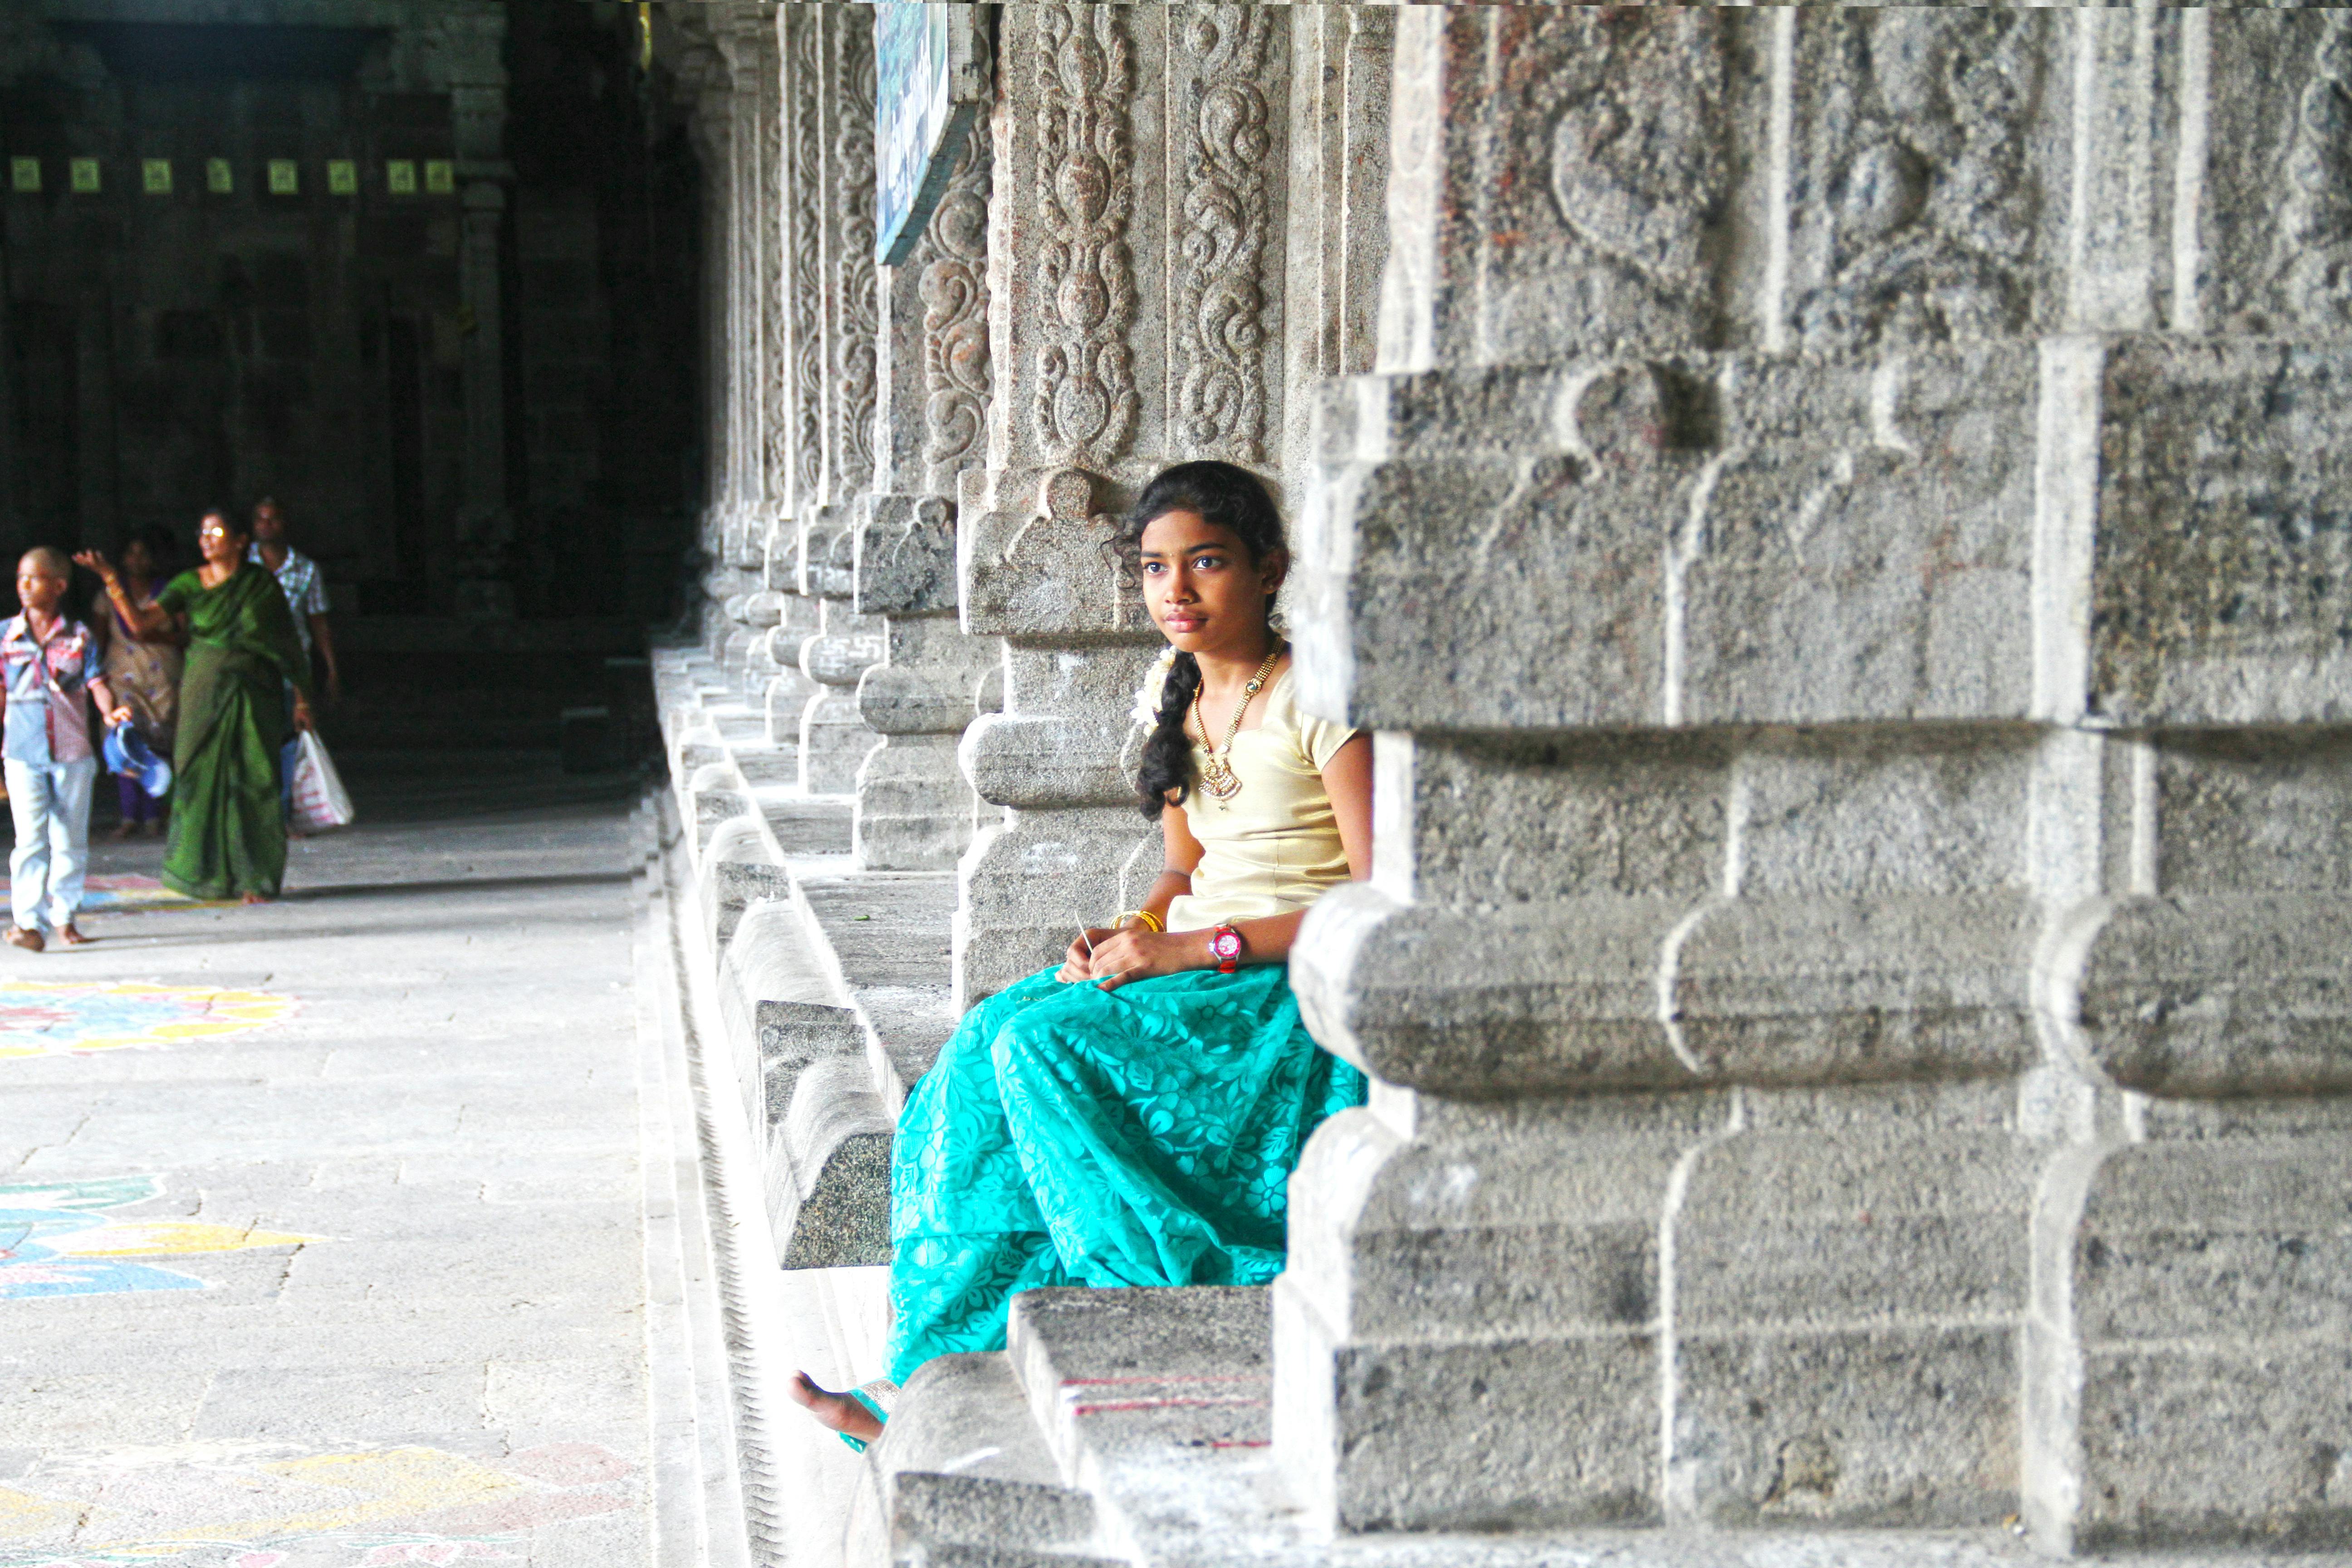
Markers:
point(1226, 947)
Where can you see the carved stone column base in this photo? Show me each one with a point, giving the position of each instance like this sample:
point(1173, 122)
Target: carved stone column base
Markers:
point(914, 803)
point(914, 808)
point(833, 743)
point(2180, 1384)
point(1479, 1285)
point(1724, 1308)
point(786, 702)
point(834, 739)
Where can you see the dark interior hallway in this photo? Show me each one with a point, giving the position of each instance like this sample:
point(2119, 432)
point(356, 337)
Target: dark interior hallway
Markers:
point(428, 275)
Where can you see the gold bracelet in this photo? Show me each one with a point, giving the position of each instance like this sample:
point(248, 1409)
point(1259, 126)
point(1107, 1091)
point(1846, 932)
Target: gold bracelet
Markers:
point(1146, 916)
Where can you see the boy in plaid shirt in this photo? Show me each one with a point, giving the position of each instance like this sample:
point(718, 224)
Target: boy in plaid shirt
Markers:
point(52, 669)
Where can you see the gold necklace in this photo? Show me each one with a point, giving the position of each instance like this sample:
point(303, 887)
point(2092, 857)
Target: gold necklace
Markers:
point(1217, 775)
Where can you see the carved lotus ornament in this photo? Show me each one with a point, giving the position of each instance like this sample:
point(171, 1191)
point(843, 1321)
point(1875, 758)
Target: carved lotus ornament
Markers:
point(1083, 187)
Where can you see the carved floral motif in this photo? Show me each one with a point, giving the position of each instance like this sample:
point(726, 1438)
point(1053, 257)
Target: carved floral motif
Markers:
point(954, 287)
point(1085, 401)
point(1918, 134)
point(1221, 302)
point(2314, 283)
point(775, 368)
point(856, 384)
point(744, 351)
point(1637, 164)
point(804, 297)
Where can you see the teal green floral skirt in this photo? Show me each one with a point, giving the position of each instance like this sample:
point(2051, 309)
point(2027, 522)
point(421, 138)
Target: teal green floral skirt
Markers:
point(1069, 1135)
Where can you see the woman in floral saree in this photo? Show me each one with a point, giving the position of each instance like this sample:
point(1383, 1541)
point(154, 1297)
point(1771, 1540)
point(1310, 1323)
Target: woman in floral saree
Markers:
point(1131, 1118)
point(143, 674)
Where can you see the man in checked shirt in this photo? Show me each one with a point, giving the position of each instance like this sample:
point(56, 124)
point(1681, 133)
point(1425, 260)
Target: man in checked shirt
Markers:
point(306, 596)
point(53, 668)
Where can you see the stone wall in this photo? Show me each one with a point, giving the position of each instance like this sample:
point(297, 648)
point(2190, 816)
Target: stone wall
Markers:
point(1836, 562)
point(1831, 515)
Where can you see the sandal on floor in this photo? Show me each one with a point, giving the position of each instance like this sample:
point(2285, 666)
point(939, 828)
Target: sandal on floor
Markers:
point(877, 1396)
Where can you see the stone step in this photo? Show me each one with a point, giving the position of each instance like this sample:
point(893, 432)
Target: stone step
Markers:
point(806, 825)
point(767, 765)
point(738, 872)
point(961, 1475)
point(811, 1076)
point(741, 726)
point(829, 1078)
point(1089, 1436)
point(828, 1167)
point(809, 1083)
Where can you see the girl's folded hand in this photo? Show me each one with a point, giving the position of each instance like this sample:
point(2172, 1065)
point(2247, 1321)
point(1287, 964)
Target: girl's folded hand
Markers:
point(1131, 955)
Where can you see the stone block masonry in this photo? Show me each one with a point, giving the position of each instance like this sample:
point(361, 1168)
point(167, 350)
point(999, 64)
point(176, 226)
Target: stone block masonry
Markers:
point(1832, 516)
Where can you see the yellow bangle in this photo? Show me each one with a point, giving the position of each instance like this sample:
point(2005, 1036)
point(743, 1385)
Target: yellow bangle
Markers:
point(1146, 916)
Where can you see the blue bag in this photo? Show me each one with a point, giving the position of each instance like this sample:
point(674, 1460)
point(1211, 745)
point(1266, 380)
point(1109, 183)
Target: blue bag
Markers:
point(127, 753)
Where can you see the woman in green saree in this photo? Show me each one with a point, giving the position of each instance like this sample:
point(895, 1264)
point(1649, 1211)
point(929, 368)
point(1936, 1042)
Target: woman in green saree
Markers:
point(229, 828)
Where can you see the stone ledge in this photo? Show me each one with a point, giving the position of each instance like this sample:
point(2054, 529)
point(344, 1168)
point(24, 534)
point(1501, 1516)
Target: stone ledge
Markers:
point(805, 1075)
point(887, 935)
point(836, 985)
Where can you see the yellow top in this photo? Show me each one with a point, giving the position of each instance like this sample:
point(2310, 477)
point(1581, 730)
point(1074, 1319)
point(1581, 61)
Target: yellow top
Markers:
point(1273, 846)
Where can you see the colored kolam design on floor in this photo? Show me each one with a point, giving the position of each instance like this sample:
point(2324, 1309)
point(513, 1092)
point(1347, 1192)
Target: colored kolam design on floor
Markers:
point(258, 1506)
point(128, 894)
point(58, 1238)
point(74, 1017)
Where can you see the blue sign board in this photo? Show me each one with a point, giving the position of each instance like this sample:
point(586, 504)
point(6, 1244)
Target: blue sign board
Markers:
point(925, 91)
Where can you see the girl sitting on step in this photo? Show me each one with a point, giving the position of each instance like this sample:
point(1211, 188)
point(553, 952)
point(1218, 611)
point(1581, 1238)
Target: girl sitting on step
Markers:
point(1132, 1117)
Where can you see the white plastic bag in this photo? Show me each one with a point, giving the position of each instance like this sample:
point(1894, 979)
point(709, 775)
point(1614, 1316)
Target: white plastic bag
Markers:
point(321, 801)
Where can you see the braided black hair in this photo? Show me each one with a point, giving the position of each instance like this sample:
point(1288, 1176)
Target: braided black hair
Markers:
point(1230, 497)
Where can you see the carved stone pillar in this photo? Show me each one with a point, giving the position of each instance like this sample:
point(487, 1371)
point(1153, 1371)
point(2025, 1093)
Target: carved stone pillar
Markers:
point(11, 516)
point(914, 808)
point(755, 73)
point(795, 423)
point(697, 64)
point(1135, 307)
point(1834, 570)
point(834, 739)
point(479, 113)
point(1340, 68)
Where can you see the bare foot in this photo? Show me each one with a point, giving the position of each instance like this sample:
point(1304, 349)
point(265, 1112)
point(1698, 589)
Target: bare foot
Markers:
point(72, 936)
point(254, 899)
point(24, 937)
point(837, 1412)
point(123, 834)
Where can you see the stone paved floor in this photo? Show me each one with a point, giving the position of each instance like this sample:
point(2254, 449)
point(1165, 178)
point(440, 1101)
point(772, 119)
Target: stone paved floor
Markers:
point(342, 1262)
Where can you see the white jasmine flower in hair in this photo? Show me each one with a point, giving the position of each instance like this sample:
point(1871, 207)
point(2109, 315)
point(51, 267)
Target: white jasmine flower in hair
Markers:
point(1155, 681)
